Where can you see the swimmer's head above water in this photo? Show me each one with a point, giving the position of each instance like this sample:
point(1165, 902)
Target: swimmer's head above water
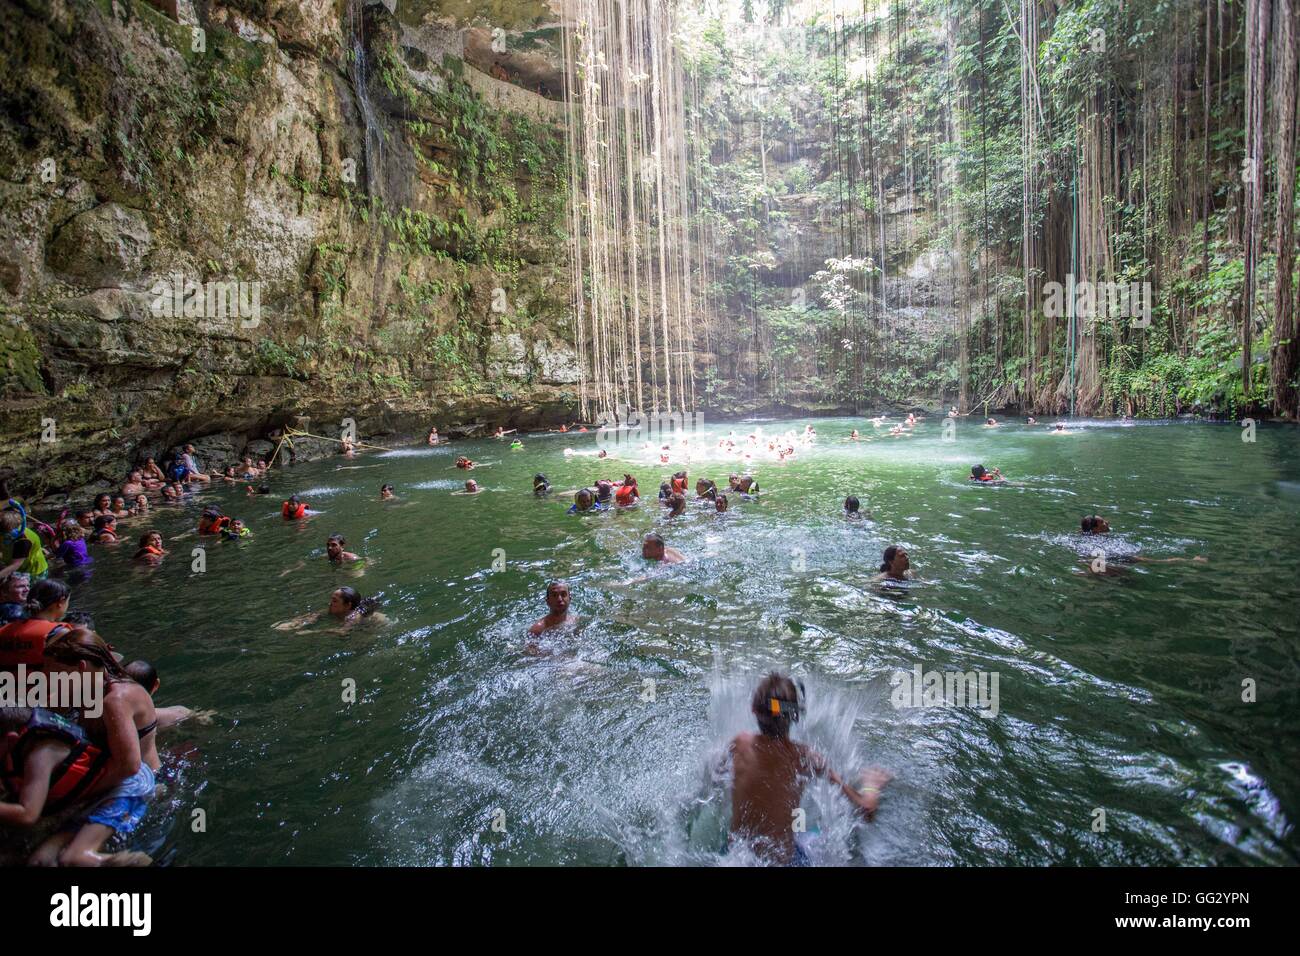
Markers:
point(653, 547)
point(1094, 524)
point(851, 505)
point(346, 602)
point(775, 705)
point(557, 597)
point(540, 485)
point(895, 563)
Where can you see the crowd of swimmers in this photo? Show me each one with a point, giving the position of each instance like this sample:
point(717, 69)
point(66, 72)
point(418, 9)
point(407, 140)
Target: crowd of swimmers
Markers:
point(99, 775)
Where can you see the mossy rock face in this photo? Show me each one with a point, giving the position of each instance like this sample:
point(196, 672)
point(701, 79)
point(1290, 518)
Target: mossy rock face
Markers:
point(366, 211)
point(20, 360)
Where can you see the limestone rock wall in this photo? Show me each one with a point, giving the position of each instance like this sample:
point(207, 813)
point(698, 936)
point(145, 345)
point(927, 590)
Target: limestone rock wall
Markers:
point(217, 216)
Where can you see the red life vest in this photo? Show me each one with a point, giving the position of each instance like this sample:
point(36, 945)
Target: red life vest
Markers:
point(23, 642)
point(291, 512)
point(679, 485)
point(626, 494)
point(73, 776)
point(213, 525)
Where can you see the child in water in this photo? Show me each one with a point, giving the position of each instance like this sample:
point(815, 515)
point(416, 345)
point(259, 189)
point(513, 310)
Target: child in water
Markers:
point(235, 530)
point(72, 550)
point(541, 487)
point(585, 502)
point(769, 772)
point(386, 493)
point(852, 507)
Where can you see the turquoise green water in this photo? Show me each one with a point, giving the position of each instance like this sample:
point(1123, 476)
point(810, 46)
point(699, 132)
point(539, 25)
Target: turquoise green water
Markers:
point(1120, 693)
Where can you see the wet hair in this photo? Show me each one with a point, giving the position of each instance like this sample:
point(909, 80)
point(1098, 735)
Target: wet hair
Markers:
point(887, 558)
point(678, 501)
point(143, 673)
point(293, 500)
point(851, 504)
point(355, 602)
point(978, 471)
point(665, 490)
point(604, 488)
point(144, 538)
point(721, 502)
point(778, 693)
point(212, 511)
point(584, 495)
point(1090, 523)
point(336, 537)
point(385, 487)
point(263, 489)
point(554, 585)
point(83, 644)
point(44, 594)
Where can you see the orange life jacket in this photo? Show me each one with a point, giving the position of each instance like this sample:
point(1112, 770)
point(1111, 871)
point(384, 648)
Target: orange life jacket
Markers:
point(74, 776)
point(625, 495)
point(291, 512)
point(23, 642)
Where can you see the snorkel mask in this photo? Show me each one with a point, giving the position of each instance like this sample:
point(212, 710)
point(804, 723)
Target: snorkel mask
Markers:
point(21, 530)
point(791, 708)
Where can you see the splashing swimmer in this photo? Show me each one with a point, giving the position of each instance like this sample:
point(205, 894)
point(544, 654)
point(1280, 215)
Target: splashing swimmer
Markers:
point(769, 772)
point(1112, 563)
point(653, 548)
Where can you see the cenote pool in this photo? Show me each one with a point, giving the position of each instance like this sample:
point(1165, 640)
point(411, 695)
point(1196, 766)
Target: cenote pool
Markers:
point(1120, 692)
